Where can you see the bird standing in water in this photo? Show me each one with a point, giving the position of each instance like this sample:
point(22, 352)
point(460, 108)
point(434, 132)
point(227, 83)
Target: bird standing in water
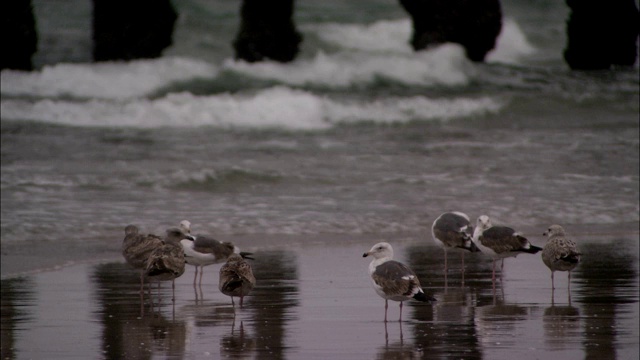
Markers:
point(559, 253)
point(236, 278)
point(166, 262)
point(136, 249)
point(393, 280)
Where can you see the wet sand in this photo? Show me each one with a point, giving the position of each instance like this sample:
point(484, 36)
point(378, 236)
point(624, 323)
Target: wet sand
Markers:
point(315, 301)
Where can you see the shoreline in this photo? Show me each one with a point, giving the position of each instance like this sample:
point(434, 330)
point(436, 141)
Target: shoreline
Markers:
point(18, 260)
point(315, 300)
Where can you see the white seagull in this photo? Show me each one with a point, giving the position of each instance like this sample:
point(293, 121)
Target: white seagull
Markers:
point(201, 251)
point(451, 230)
point(393, 280)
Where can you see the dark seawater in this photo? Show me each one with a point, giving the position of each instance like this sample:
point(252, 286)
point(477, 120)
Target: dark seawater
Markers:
point(359, 139)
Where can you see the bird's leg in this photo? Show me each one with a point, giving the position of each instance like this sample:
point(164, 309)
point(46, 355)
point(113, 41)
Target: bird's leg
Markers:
point(400, 318)
point(201, 272)
point(446, 268)
point(553, 287)
point(462, 257)
point(173, 290)
point(569, 289)
point(141, 281)
point(241, 298)
point(386, 305)
point(195, 276)
point(493, 276)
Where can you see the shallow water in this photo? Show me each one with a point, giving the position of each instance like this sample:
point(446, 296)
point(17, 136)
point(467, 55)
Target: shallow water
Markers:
point(316, 302)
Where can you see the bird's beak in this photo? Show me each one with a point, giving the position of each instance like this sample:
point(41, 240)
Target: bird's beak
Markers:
point(365, 254)
point(544, 233)
point(191, 237)
point(246, 255)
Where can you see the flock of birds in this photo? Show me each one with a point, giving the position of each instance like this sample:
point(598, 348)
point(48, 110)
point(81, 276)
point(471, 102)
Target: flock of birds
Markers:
point(164, 259)
point(393, 280)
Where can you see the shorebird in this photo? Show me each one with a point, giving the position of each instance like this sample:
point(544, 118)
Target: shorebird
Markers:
point(559, 253)
point(166, 262)
point(393, 280)
point(236, 278)
point(451, 230)
point(136, 249)
point(203, 250)
point(499, 242)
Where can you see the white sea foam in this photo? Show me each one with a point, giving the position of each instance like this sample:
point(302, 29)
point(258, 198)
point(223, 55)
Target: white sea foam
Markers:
point(444, 65)
point(512, 45)
point(109, 80)
point(277, 107)
point(392, 36)
point(382, 36)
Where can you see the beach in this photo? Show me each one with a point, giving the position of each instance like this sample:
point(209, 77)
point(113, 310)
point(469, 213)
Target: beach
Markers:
point(307, 164)
point(314, 300)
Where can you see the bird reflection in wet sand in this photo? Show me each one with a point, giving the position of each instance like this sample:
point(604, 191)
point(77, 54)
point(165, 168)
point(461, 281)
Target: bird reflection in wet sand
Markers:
point(236, 278)
point(560, 254)
point(125, 333)
point(397, 349)
point(393, 280)
point(237, 342)
point(561, 326)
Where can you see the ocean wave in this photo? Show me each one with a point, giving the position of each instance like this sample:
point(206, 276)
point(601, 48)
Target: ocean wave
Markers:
point(392, 37)
point(108, 80)
point(381, 36)
point(445, 65)
point(277, 107)
point(212, 179)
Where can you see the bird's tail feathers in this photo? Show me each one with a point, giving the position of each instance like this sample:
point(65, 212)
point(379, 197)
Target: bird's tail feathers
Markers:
point(421, 296)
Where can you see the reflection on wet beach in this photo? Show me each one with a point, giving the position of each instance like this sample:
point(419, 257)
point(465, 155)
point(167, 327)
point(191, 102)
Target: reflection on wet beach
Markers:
point(606, 285)
point(17, 299)
point(523, 318)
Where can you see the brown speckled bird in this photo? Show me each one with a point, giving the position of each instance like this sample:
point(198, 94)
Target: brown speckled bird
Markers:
point(166, 262)
point(136, 249)
point(559, 253)
point(236, 278)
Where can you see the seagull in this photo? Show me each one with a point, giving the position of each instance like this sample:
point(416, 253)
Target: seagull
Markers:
point(136, 249)
point(393, 280)
point(500, 242)
point(166, 262)
point(236, 278)
point(559, 253)
point(451, 230)
point(201, 251)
